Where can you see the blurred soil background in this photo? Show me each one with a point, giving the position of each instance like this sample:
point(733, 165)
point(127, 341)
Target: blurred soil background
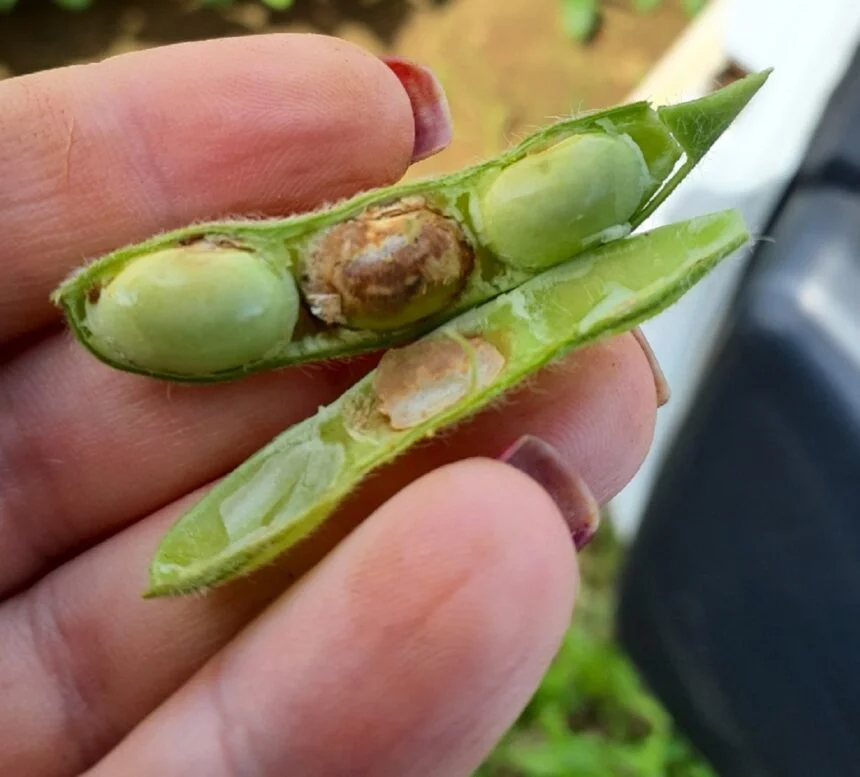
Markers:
point(508, 66)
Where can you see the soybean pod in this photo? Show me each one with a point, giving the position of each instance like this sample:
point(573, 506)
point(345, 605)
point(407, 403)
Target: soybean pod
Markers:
point(220, 300)
point(288, 488)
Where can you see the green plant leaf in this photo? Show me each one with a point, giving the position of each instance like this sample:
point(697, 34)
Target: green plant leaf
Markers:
point(580, 18)
point(646, 6)
point(693, 7)
point(74, 5)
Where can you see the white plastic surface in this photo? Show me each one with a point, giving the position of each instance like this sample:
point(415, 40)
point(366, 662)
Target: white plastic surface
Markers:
point(810, 45)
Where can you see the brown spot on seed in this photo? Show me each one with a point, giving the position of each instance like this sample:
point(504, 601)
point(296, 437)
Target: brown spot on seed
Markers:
point(390, 266)
point(415, 383)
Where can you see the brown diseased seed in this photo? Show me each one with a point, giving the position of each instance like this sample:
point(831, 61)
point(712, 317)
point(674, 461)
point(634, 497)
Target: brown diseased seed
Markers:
point(421, 380)
point(389, 267)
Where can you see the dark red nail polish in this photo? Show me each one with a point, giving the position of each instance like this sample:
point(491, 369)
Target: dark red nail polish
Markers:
point(433, 129)
point(545, 465)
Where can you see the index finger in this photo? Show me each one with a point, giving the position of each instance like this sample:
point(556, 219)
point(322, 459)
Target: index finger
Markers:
point(106, 154)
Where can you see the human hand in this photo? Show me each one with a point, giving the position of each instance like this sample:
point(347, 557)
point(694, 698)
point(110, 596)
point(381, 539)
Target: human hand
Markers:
point(410, 647)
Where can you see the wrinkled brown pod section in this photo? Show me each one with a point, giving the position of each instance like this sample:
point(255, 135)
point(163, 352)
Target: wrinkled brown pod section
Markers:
point(390, 266)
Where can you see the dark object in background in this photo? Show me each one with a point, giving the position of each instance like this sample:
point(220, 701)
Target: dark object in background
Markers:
point(740, 602)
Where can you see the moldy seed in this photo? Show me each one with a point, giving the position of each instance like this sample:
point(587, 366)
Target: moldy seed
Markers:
point(388, 267)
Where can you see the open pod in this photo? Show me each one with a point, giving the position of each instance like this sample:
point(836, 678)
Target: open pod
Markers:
point(288, 488)
point(218, 301)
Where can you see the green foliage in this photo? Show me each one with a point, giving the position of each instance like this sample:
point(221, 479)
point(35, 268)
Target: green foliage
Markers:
point(646, 6)
point(581, 18)
point(592, 715)
point(693, 7)
point(275, 5)
point(81, 5)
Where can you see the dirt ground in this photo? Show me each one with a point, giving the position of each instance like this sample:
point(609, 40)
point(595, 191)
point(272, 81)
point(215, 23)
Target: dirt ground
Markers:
point(507, 65)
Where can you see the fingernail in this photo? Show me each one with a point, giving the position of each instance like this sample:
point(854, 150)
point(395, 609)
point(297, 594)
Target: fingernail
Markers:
point(661, 385)
point(433, 128)
point(545, 465)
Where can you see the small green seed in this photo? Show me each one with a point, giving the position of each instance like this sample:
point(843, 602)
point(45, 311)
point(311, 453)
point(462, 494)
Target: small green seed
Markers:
point(193, 309)
point(548, 206)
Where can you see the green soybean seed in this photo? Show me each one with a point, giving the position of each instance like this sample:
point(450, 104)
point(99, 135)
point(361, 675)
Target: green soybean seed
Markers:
point(240, 308)
point(389, 265)
point(542, 210)
point(287, 489)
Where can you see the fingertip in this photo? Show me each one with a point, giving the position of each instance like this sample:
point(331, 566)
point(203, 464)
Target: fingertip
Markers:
point(605, 424)
point(410, 650)
point(263, 125)
point(430, 110)
point(453, 597)
point(487, 520)
point(323, 116)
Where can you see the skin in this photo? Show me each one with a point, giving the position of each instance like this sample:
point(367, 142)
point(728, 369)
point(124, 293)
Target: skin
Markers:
point(412, 646)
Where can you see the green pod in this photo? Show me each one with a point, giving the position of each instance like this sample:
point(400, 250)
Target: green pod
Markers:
point(288, 488)
point(389, 265)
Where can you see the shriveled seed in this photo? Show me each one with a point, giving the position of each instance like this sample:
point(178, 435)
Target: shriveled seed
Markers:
point(389, 267)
